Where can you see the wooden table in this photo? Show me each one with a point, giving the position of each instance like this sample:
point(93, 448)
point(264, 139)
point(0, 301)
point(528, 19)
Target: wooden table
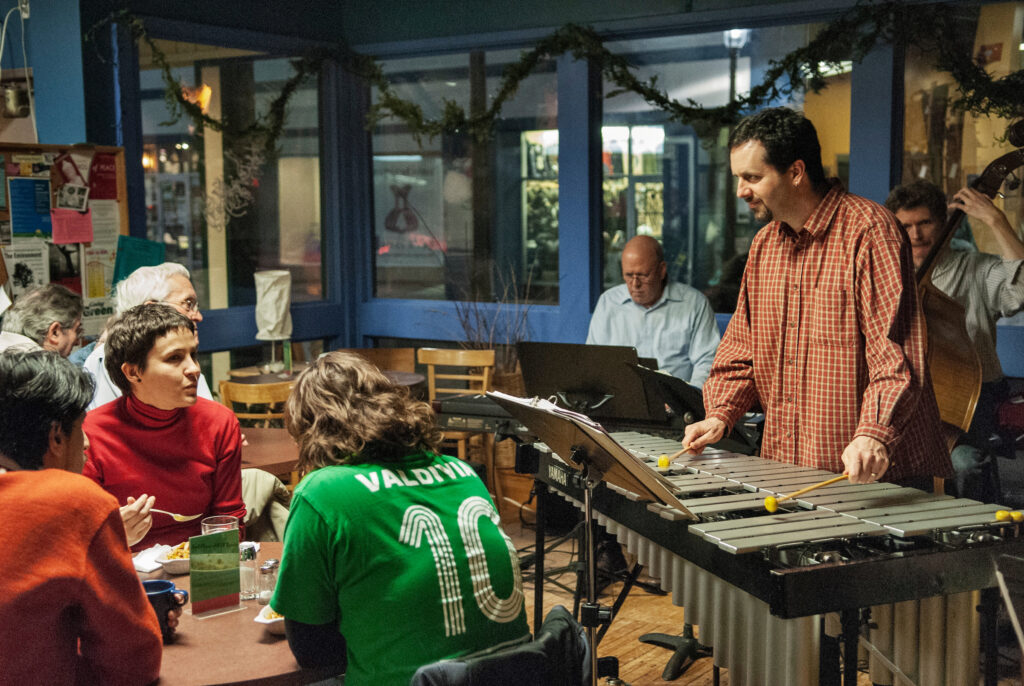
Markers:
point(231, 647)
point(272, 450)
point(253, 375)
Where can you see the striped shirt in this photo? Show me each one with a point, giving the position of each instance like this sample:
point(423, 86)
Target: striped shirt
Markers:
point(988, 287)
point(829, 338)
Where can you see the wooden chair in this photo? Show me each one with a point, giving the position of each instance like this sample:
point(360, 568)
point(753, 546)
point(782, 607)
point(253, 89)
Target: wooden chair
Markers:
point(462, 371)
point(392, 359)
point(262, 402)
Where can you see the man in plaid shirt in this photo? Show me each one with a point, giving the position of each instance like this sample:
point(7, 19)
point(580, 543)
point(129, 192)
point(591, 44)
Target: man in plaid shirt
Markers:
point(828, 336)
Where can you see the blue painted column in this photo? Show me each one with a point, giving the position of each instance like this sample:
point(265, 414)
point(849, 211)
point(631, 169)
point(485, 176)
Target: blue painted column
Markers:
point(579, 195)
point(876, 123)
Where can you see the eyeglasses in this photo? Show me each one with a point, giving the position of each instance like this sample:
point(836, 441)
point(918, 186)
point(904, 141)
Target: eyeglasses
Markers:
point(642, 278)
point(188, 304)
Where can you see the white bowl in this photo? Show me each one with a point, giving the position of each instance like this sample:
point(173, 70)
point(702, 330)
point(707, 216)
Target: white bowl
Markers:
point(275, 625)
point(175, 566)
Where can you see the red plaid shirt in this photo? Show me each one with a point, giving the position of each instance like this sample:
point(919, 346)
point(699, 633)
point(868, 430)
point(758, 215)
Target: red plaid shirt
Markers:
point(829, 337)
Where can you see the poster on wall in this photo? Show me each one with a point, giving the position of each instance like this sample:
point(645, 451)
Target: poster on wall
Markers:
point(28, 264)
point(65, 265)
point(98, 260)
point(30, 206)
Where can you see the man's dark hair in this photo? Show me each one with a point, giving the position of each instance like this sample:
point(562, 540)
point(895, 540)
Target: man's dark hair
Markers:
point(132, 335)
point(38, 390)
point(919, 193)
point(787, 136)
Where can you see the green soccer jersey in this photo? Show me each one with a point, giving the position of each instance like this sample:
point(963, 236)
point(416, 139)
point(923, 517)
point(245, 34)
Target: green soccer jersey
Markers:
point(408, 558)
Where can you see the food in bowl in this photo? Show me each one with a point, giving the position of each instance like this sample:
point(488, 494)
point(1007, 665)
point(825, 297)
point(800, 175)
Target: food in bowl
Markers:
point(176, 560)
point(273, 621)
point(179, 552)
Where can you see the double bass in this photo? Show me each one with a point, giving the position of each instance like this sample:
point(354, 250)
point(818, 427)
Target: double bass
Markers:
point(952, 360)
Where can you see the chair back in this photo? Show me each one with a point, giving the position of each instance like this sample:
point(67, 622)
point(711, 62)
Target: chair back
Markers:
point(390, 359)
point(558, 656)
point(261, 402)
point(477, 366)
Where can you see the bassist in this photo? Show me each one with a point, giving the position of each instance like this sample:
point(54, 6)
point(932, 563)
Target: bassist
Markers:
point(988, 287)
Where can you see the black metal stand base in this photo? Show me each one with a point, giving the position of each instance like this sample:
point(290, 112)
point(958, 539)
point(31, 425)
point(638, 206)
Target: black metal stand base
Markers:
point(685, 651)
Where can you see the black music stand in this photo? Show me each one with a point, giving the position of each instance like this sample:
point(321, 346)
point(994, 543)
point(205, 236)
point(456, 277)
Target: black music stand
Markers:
point(687, 402)
point(589, 449)
point(593, 379)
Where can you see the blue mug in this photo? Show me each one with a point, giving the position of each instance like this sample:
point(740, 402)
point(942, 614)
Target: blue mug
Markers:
point(164, 596)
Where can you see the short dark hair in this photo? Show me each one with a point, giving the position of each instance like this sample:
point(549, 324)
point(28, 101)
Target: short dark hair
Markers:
point(132, 335)
point(918, 193)
point(38, 390)
point(787, 136)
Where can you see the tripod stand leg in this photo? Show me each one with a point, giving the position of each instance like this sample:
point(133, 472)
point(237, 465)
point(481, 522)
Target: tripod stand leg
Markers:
point(685, 651)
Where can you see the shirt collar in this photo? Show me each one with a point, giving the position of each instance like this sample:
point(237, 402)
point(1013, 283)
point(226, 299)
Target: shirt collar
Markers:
point(821, 218)
point(627, 298)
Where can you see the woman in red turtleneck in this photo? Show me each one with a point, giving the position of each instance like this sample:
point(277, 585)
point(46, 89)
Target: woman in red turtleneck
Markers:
point(159, 438)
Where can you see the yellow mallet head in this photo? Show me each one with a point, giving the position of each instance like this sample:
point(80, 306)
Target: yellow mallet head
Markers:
point(1002, 515)
point(771, 504)
point(663, 462)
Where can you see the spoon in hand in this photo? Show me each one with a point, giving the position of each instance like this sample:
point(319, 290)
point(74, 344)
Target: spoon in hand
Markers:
point(176, 517)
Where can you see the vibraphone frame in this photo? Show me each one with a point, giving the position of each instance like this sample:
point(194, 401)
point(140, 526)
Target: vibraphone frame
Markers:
point(845, 587)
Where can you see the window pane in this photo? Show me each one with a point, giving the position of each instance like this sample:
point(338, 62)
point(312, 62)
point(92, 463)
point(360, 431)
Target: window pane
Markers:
point(459, 219)
point(662, 180)
point(944, 144)
point(280, 228)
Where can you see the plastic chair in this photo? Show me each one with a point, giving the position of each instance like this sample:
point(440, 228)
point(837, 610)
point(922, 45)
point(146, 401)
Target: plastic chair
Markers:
point(558, 656)
point(473, 375)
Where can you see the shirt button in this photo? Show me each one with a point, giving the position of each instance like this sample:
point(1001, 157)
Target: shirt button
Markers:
point(790, 361)
point(789, 434)
point(789, 398)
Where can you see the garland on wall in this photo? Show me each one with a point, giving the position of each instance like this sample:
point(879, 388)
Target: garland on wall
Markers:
point(936, 28)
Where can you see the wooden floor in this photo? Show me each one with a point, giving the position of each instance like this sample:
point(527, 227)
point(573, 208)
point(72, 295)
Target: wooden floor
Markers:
point(641, 664)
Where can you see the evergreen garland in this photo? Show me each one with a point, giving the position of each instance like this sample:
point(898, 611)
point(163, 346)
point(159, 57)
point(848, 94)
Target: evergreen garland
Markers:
point(939, 28)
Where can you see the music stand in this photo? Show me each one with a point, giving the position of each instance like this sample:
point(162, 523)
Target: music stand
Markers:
point(687, 402)
point(592, 379)
point(588, 448)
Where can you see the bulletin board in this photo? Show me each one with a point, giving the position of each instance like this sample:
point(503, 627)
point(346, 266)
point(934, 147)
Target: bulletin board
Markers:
point(62, 209)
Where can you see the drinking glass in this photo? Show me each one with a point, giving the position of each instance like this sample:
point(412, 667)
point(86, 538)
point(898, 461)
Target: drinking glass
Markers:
point(217, 523)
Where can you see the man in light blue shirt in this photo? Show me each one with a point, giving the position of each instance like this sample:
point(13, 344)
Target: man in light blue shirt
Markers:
point(668, 321)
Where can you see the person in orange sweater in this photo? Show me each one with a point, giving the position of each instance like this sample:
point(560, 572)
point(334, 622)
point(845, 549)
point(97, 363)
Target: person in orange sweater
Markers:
point(72, 610)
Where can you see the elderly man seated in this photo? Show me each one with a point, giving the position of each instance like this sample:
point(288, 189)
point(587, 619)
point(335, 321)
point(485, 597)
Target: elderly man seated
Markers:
point(48, 317)
point(167, 283)
point(72, 610)
point(668, 321)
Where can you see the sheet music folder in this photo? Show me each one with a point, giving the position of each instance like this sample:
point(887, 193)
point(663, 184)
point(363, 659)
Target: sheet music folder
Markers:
point(562, 429)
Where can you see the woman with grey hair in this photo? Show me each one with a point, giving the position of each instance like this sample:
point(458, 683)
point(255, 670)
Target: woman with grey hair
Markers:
point(167, 283)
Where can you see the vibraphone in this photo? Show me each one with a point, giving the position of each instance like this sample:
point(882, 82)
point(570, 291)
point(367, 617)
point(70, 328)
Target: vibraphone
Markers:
point(758, 585)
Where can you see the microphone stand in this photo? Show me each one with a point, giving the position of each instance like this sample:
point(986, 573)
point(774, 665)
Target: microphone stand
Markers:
point(592, 614)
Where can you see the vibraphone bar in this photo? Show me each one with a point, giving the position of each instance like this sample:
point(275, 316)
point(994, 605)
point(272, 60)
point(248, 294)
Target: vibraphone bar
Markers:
point(758, 584)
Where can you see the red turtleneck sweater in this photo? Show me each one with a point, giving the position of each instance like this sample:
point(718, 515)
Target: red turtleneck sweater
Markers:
point(189, 458)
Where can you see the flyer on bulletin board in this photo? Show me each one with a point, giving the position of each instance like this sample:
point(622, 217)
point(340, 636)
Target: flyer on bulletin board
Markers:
point(30, 206)
point(213, 573)
point(28, 264)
